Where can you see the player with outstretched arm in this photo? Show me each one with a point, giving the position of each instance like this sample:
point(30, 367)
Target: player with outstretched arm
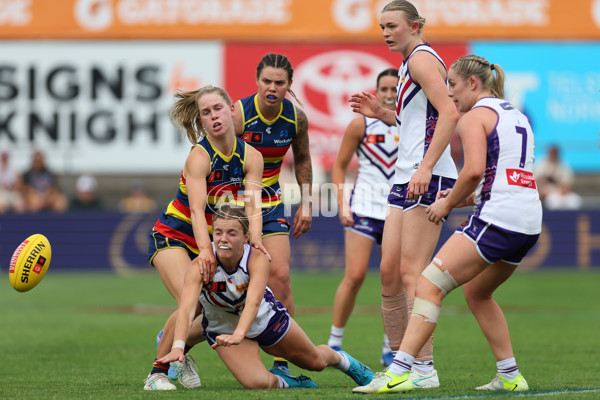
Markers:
point(242, 315)
point(217, 167)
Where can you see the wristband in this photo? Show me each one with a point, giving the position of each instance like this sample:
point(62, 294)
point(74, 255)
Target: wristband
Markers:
point(178, 344)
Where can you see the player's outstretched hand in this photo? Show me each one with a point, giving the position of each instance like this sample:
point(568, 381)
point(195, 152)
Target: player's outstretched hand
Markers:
point(365, 103)
point(176, 354)
point(227, 340)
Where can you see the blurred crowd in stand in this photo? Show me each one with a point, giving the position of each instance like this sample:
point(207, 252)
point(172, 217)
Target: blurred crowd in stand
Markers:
point(37, 189)
point(554, 179)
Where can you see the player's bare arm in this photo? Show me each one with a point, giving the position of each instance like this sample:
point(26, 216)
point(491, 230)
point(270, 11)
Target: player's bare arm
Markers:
point(253, 189)
point(238, 118)
point(186, 312)
point(258, 269)
point(431, 75)
point(304, 176)
point(195, 171)
point(350, 142)
point(474, 137)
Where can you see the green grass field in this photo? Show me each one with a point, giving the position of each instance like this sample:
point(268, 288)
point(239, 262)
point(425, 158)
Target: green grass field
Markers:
point(92, 336)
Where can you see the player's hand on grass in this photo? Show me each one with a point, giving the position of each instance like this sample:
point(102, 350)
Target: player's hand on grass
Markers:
point(228, 340)
point(176, 354)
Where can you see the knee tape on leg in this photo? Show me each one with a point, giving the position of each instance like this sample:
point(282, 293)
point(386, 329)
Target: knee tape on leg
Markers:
point(442, 279)
point(429, 311)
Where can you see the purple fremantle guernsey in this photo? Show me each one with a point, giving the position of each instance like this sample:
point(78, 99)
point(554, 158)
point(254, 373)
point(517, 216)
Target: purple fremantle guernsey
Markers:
point(377, 153)
point(416, 119)
point(507, 195)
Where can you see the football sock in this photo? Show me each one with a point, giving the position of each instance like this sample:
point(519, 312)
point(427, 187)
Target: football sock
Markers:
point(282, 383)
point(386, 345)
point(508, 368)
point(336, 336)
point(344, 365)
point(158, 368)
point(403, 362)
point(423, 367)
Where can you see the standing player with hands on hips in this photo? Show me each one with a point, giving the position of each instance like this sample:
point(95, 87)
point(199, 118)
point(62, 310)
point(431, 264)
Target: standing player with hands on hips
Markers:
point(426, 119)
point(272, 124)
point(497, 178)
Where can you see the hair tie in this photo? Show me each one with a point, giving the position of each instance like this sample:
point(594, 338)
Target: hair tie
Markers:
point(492, 66)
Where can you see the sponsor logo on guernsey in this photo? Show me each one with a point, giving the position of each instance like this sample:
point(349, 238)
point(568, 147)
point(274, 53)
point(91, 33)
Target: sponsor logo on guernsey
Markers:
point(216, 176)
point(242, 288)
point(218, 287)
point(252, 137)
point(518, 177)
point(282, 141)
point(375, 138)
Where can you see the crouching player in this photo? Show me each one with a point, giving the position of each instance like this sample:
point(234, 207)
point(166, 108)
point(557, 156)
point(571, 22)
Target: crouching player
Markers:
point(241, 314)
point(497, 178)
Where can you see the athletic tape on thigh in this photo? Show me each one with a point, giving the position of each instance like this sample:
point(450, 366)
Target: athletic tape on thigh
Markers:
point(442, 279)
point(427, 310)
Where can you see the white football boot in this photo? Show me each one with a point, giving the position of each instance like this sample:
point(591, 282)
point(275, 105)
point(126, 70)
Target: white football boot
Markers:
point(187, 372)
point(158, 381)
point(519, 384)
point(424, 381)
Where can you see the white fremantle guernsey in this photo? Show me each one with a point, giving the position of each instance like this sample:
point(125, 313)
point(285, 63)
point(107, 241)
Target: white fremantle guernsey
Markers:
point(377, 153)
point(224, 299)
point(507, 195)
point(416, 119)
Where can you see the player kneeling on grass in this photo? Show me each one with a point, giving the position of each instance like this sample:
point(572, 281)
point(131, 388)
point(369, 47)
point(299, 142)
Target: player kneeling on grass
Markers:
point(497, 178)
point(241, 314)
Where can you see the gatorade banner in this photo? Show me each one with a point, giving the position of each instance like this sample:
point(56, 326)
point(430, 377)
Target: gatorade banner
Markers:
point(293, 20)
